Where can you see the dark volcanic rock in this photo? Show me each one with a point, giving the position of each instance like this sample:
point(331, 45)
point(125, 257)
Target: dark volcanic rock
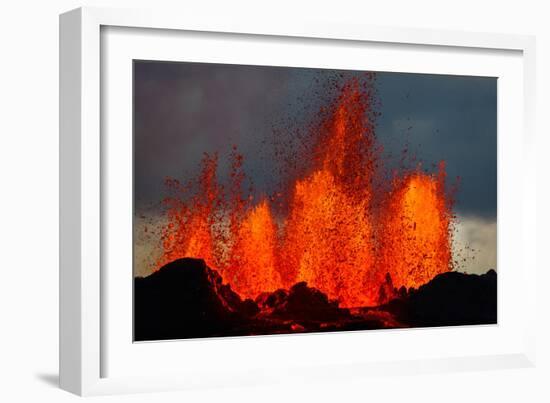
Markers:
point(267, 301)
point(450, 299)
point(301, 303)
point(186, 299)
point(386, 291)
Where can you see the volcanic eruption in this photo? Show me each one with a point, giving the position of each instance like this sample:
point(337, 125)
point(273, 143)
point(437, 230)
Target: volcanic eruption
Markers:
point(346, 226)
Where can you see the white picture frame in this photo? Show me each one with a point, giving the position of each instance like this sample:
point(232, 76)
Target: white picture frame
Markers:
point(83, 291)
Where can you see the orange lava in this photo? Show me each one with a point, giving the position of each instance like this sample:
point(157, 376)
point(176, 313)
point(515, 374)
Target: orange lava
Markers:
point(340, 233)
point(253, 255)
point(414, 236)
point(199, 214)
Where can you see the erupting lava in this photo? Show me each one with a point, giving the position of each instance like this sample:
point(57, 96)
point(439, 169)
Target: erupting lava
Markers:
point(344, 229)
point(414, 236)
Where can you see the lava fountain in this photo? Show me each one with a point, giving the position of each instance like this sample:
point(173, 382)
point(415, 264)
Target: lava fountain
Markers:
point(346, 229)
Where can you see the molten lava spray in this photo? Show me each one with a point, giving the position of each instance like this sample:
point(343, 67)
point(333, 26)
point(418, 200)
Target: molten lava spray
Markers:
point(414, 235)
point(253, 255)
point(328, 232)
point(189, 229)
point(341, 232)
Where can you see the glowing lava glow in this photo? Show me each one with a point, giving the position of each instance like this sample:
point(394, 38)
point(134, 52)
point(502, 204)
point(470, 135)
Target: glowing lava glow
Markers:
point(253, 255)
point(328, 231)
point(341, 231)
point(415, 244)
point(328, 240)
point(199, 214)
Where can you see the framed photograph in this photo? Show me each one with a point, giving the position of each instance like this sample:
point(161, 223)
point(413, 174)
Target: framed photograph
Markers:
point(246, 202)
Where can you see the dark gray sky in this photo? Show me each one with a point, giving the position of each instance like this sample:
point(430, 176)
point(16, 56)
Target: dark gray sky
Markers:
point(184, 109)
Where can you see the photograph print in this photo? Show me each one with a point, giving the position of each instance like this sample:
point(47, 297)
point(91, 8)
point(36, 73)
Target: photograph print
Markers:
point(281, 200)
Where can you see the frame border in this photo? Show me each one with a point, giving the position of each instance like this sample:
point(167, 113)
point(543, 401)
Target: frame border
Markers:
point(80, 307)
